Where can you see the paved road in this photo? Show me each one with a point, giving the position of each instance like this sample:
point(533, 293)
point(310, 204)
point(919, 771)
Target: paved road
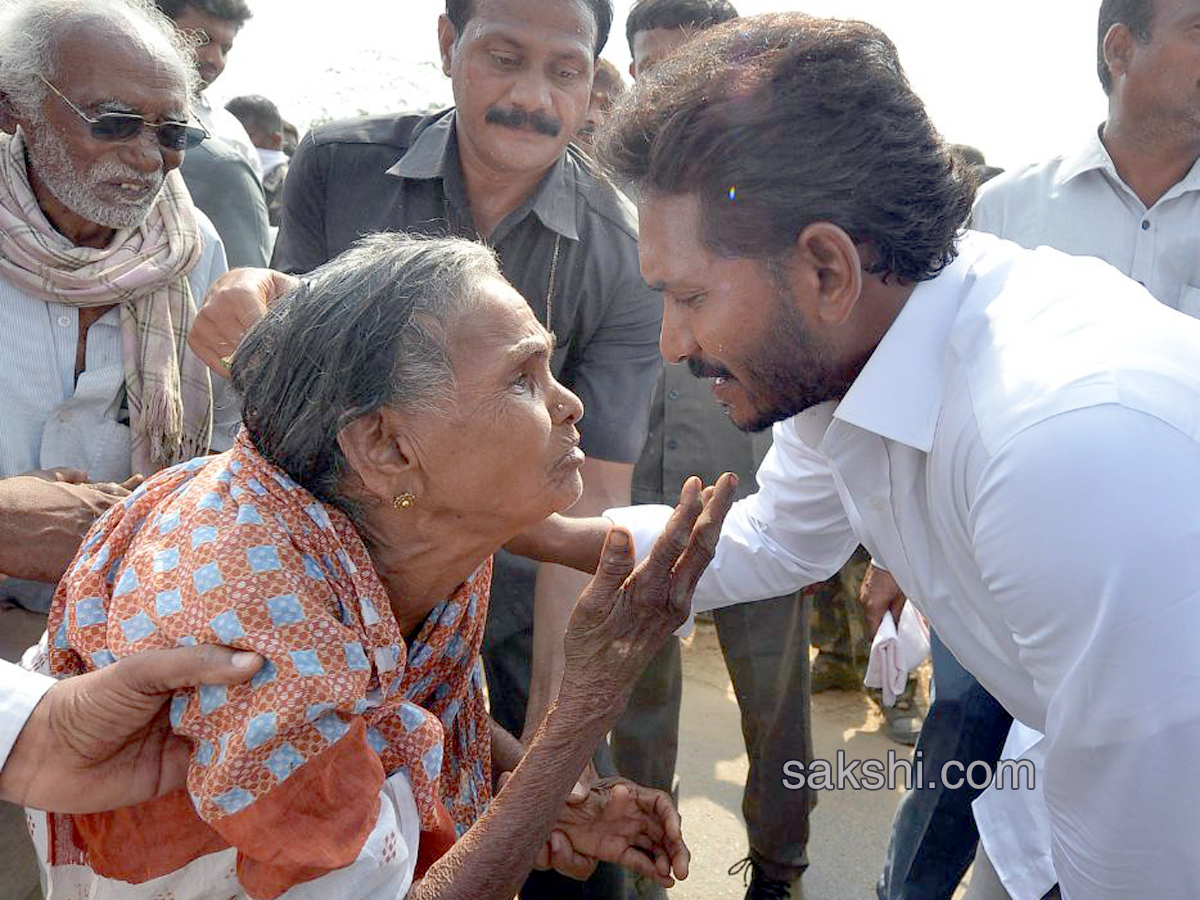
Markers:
point(849, 829)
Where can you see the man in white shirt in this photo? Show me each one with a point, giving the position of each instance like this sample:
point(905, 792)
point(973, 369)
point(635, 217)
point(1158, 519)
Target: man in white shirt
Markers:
point(1129, 195)
point(103, 259)
point(1012, 434)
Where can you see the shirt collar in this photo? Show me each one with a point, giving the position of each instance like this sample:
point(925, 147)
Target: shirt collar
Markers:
point(554, 200)
point(1093, 155)
point(898, 394)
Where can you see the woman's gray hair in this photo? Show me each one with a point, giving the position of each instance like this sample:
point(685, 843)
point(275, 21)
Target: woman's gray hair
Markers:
point(29, 31)
point(367, 330)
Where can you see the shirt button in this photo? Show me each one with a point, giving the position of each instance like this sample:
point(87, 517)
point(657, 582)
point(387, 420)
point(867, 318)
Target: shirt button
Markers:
point(64, 321)
point(672, 444)
point(1145, 224)
point(64, 417)
point(673, 394)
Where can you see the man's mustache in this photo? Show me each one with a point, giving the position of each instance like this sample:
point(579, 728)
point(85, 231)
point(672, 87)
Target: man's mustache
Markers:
point(700, 369)
point(519, 118)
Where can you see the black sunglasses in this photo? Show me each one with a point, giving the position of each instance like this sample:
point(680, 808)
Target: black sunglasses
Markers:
point(122, 126)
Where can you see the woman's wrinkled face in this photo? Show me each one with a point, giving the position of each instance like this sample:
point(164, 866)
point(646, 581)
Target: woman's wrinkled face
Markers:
point(507, 453)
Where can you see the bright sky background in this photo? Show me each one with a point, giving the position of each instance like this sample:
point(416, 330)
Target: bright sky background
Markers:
point(1017, 79)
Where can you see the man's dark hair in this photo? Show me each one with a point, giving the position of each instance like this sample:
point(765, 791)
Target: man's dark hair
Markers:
point(225, 10)
point(1136, 15)
point(256, 112)
point(779, 121)
point(647, 15)
point(459, 13)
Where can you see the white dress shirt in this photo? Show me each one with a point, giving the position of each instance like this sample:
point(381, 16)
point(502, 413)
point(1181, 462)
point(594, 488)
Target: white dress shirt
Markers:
point(20, 692)
point(1078, 204)
point(1022, 452)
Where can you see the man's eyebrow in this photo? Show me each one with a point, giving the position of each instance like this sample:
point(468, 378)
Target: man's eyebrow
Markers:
point(110, 105)
point(120, 106)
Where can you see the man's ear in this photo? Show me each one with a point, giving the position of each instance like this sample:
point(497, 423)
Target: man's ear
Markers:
point(447, 36)
point(1118, 48)
point(829, 258)
point(633, 70)
point(380, 453)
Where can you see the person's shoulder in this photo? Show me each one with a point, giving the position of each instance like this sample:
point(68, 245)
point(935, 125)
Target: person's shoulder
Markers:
point(1041, 332)
point(207, 268)
point(1031, 179)
point(600, 200)
point(391, 130)
point(215, 158)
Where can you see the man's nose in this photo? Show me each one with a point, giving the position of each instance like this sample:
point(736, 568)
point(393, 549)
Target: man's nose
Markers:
point(676, 341)
point(531, 91)
point(144, 153)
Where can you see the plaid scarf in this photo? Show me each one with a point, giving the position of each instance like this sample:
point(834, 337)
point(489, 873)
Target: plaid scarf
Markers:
point(145, 270)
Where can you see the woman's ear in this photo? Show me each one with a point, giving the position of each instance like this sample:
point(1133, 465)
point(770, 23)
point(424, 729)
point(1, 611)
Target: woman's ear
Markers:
point(831, 260)
point(380, 453)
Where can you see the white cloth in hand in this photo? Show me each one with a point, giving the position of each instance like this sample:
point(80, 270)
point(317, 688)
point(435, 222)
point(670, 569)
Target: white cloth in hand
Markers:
point(895, 652)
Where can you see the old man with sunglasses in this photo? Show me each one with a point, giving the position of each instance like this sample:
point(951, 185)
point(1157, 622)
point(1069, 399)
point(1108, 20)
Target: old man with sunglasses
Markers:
point(103, 262)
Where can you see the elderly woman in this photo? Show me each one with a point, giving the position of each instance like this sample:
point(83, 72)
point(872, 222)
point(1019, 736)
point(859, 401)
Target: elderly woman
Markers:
point(401, 424)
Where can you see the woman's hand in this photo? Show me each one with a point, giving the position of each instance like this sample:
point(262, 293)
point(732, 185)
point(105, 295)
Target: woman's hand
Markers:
point(619, 822)
point(625, 614)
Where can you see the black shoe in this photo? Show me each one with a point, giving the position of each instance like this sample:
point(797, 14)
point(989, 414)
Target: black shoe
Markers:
point(761, 887)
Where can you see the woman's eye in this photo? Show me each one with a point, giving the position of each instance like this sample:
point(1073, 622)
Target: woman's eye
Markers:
point(524, 382)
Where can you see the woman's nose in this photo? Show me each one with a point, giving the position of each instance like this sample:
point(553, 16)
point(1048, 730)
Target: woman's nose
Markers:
point(567, 408)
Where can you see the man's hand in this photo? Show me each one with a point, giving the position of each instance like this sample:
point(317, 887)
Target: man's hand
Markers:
point(103, 740)
point(236, 301)
point(565, 541)
point(624, 615)
point(879, 594)
point(44, 517)
point(619, 822)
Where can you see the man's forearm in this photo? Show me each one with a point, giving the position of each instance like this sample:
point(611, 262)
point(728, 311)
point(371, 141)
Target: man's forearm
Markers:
point(605, 485)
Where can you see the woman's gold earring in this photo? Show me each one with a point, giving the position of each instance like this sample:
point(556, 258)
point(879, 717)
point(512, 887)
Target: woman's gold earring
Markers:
point(404, 501)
